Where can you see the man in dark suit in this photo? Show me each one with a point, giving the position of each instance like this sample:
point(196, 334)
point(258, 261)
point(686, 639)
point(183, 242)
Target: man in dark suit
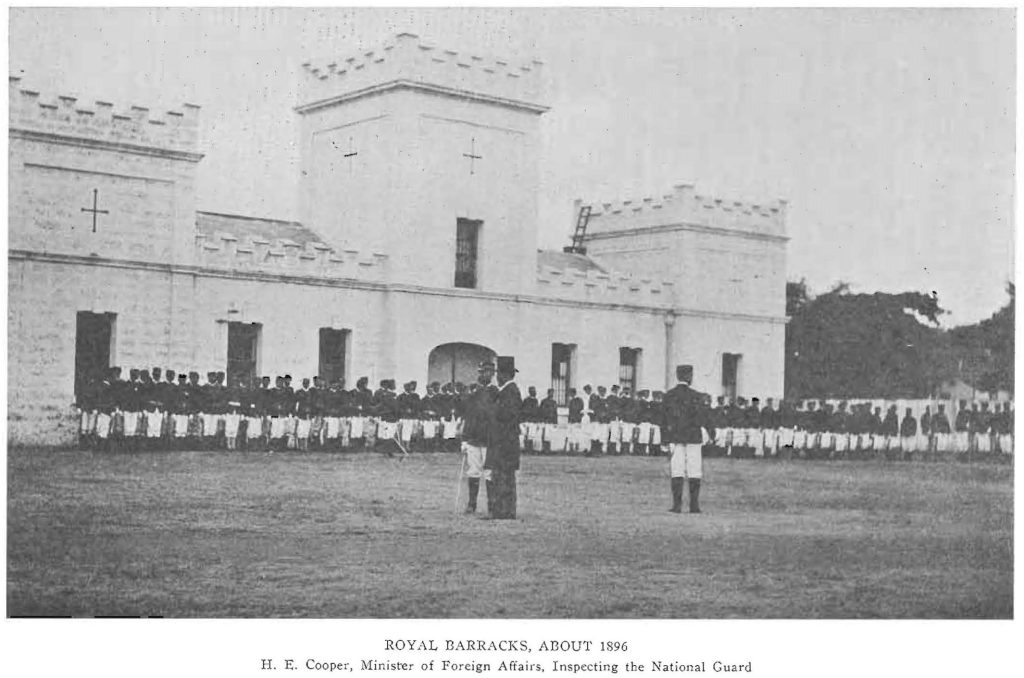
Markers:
point(503, 450)
point(685, 420)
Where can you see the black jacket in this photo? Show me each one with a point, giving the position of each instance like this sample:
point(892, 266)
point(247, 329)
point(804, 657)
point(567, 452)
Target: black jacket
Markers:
point(685, 416)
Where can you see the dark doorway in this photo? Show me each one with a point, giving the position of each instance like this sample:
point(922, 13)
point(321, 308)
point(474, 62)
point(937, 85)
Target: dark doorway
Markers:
point(456, 362)
point(332, 354)
point(94, 333)
point(243, 351)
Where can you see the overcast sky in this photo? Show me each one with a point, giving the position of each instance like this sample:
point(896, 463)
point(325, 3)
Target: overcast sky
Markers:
point(890, 132)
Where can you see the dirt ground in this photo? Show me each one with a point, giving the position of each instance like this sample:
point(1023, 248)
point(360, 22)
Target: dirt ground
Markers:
point(231, 534)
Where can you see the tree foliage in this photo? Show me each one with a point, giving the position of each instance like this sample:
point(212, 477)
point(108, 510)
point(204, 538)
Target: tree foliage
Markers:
point(846, 345)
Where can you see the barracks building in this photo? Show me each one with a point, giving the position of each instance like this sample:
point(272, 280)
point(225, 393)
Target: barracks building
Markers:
point(414, 256)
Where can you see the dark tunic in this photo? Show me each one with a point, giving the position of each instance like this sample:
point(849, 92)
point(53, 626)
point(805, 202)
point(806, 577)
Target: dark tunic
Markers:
point(684, 416)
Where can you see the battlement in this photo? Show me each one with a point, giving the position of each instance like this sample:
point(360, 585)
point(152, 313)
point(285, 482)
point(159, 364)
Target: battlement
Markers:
point(407, 59)
point(685, 206)
point(287, 257)
point(67, 116)
point(607, 288)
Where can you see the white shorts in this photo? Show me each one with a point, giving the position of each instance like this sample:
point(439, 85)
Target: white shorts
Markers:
point(686, 461)
point(614, 432)
point(180, 425)
point(430, 430)
point(333, 427)
point(557, 436)
point(254, 427)
point(943, 442)
point(103, 425)
point(655, 434)
point(449, 429)
point(755, 439)
point(984, 442)
point(357, 428)
point(209, 425)
point(387, 430)
point(153, 423)
point(643, 436)
point(800, 440)
point(231, 422)
point(407, 428)
point(535, 434)
point(277, 427)
point(131, 423)
point(841, 441)
point(475, 457)
point(302, 428)
point(1006, 443)
point(962, 441)
point(628, 429)
point(785, 437)
point(579, 436)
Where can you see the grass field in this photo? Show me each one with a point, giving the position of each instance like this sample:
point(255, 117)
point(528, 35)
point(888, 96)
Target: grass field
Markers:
point(214, 534)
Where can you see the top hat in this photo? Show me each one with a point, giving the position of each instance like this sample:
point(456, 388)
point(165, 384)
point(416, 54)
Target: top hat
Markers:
point(506, 364)
point(684, 373)
point(485, 365)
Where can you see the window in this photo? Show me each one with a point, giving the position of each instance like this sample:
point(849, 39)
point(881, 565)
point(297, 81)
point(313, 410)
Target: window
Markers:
point(333, 345)
point(467, 238)
point(561, 371)
point(629, 361)
point(94, 335)
point(243, 350)
point(730, 374)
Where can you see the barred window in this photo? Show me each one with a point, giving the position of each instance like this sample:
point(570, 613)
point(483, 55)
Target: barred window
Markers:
point(628, 361)
point(561, 371)
point(467, 237)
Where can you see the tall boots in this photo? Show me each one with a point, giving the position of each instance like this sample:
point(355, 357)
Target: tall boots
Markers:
point(677, 495)
point(474, 490)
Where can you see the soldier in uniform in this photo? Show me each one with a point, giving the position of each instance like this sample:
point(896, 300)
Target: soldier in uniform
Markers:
point(304, 415)
point(685, 421)
point(503, 441)
point(476, 429)
point(576, 407)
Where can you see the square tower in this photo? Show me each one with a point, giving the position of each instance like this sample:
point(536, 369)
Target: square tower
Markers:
point(429, 156)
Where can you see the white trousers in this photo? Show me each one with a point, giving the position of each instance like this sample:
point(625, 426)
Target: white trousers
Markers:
point(475, 457)
point(686, 461)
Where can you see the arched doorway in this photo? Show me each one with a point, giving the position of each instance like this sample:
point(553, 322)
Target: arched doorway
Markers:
point(456, 362)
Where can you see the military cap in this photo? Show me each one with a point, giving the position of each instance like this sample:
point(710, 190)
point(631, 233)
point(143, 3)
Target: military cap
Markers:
point(684, 373)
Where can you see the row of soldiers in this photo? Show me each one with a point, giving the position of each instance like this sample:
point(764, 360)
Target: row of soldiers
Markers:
point(169, 409)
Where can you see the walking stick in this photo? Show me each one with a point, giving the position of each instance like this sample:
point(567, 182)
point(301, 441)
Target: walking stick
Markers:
point(458, 487)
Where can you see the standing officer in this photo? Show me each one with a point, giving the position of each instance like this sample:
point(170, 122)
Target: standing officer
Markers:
point(503, 448)
point(476, 429)
point(685, 419)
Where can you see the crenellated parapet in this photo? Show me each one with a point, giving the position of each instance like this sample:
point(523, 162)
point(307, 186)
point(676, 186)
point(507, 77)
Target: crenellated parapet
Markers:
point(601, 287)
point(409, 61)
point(286, 257)
point(685, 206)
point(66, 116)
